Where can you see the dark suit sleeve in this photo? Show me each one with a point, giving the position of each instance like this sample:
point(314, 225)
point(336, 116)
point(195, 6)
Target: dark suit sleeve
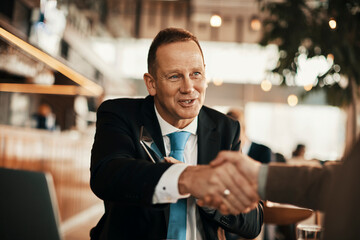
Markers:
point(245, 225)
point(118, 173)
point(260, 152)
point(266, 155)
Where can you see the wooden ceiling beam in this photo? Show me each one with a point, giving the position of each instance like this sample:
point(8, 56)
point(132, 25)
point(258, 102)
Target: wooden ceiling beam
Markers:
point(87, 84)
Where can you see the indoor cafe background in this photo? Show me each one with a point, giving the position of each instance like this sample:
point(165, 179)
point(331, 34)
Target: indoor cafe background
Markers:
point(74, 54)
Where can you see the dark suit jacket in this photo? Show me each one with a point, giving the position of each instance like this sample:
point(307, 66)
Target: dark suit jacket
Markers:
point(332, 188)
point(125, 178)
point(260, 152)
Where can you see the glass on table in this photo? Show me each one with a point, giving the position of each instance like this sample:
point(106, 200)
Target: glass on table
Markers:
point(309, 232)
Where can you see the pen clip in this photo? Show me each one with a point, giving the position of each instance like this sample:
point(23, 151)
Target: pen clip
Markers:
point(146, 141)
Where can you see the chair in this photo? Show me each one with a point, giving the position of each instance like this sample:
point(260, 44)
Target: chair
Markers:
point(28, 207)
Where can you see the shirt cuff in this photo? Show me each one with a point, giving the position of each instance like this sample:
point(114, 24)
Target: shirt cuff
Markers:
point(167, 190)
point(263, 172)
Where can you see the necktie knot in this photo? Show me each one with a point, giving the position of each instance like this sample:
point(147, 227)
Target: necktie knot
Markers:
point(178, 142)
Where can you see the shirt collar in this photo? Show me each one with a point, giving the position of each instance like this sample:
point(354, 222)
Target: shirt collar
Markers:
point(167, 128)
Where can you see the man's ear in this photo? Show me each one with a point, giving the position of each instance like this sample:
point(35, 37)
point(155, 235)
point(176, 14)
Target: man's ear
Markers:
point(150, 84)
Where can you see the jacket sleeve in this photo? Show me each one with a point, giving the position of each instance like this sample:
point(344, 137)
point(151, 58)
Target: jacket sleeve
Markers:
point(304, 186)
point(246, 225)
point(118, 173)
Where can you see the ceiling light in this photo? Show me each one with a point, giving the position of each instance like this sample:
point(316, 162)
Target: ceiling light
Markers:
point(215, 21)
point(332, 23)
point(292, 100)
point(255, 24)
point(218, 81)
point(308, 87)
point(266, 85)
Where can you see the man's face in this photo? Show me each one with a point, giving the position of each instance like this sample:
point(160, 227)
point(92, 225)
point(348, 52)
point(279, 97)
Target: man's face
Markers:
point(179, 85)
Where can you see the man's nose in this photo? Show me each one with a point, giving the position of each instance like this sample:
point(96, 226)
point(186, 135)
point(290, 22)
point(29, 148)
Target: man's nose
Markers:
point(187, 85)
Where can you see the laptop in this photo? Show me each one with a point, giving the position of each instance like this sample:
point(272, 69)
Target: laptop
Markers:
point(28, 206)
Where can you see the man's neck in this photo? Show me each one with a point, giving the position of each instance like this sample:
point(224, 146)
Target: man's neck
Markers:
point(166, 127)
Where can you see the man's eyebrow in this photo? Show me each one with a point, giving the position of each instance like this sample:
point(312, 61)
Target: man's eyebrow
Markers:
point(179, 71)
point(200, 68)
point(169, 72)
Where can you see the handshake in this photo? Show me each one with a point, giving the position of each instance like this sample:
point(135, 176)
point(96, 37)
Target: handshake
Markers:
point(229, 183)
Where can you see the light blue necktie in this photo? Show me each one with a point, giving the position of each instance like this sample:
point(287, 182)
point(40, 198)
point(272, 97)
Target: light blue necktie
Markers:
point(177, 218)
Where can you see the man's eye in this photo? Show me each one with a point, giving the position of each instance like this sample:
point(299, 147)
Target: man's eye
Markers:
point(196, 74)
point(174, 77)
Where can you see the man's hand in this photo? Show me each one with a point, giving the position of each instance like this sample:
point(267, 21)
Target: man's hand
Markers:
point(171, 160)
point(210, 184)
point(246, 166)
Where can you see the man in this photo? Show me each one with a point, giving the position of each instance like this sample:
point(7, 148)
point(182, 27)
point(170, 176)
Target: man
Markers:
point(137, 192)
point(332, 188)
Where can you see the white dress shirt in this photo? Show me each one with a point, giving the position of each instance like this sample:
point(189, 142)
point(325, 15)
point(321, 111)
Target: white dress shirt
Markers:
point(166, 191)
point(246, 147)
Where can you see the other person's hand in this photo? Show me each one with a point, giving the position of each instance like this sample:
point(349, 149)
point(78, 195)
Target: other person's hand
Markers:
point(246, 165)
point(220, 186)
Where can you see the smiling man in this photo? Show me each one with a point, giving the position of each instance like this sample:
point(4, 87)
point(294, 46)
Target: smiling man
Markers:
point(147, 200)
point(177, 82)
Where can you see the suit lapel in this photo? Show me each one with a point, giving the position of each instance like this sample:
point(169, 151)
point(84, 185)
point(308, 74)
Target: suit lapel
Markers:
point(151, 123)
point(208, 138)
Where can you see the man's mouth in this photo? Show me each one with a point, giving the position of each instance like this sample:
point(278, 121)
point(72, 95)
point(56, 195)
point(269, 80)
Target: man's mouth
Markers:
point(187, 103)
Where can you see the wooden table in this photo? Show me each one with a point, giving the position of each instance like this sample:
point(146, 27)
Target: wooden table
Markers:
point(284, 214)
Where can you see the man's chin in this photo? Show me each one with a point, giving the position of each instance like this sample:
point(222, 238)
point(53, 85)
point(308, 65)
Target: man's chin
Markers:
point(189, 115)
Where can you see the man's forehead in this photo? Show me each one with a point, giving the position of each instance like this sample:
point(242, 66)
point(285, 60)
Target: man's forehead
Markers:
point(179, 43)
point(178, 48)
point(170, 52)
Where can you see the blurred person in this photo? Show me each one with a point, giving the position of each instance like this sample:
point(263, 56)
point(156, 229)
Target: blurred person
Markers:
point(157, 200)
point(299, 151)
point(298, 157)
point(332, 188)
point(278, 157)
point(256, 151)
point(44, 118)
